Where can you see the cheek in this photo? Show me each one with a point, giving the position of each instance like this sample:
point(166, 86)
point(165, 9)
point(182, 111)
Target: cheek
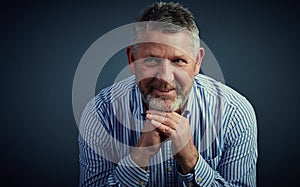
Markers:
point(184, 78)
point(145, 85)
point(142, 73)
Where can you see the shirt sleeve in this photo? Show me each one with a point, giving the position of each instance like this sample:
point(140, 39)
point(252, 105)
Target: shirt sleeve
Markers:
point(237, 166)
point(99, 162)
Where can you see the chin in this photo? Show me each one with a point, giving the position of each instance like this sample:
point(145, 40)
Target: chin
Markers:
point(164, 105)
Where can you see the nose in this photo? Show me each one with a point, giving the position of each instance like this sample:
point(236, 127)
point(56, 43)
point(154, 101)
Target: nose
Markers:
point(166, 71)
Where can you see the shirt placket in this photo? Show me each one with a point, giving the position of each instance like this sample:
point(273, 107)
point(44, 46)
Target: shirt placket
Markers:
point(170, 167)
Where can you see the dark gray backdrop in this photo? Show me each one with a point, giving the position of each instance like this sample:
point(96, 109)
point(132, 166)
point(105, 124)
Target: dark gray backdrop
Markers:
point(256, 44)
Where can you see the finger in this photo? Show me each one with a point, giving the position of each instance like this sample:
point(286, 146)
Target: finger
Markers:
point(167, 131)
point(148, 126)
point(173, 115)
point(156, 112)
point(156, 117)
point(163, 120)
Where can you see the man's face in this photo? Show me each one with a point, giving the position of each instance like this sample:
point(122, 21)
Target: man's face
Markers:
point(165, 69)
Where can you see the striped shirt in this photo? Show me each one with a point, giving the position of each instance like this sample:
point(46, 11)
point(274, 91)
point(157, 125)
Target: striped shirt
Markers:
point(223, 127)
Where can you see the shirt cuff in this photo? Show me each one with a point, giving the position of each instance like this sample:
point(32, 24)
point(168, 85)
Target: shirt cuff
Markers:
point(188, 179)
point(204, 174)
point(128, 173)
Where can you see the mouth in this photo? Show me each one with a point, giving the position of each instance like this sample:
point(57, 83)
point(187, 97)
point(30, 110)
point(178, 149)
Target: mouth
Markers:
point(158, 88)
point(165, 92)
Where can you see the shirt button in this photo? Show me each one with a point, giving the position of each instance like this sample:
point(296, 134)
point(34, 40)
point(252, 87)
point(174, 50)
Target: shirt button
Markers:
point(142, 183)
point(190, 184)
point(170, 168)
point(199, 179)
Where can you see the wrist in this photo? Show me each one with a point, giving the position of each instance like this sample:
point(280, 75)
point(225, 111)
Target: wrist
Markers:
point(140, 157)
point(187, 161)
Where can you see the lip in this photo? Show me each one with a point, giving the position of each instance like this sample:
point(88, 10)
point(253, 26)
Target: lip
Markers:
point(158, 92)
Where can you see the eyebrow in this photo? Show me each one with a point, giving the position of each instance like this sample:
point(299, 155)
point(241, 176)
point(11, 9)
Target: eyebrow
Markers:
point(180, 56)
point(173, 57)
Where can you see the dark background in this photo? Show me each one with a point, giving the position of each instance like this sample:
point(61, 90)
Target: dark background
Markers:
point(255, 42)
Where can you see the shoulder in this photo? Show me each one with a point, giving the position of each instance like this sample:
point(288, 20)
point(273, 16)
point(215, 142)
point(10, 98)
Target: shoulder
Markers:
point(238, 114)
point(118, 92)
point(100, 107)
point(230, 98)
point(215, 88)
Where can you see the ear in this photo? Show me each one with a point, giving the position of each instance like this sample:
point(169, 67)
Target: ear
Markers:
point(199, 59)
point(130, 58)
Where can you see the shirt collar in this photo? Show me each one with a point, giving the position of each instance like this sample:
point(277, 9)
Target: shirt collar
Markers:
point(186, 112)
point(140, 110)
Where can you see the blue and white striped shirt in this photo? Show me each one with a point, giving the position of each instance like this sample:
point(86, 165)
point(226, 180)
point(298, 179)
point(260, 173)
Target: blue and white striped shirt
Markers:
point(223, 125)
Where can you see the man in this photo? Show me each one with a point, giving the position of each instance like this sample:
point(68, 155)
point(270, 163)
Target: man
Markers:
point(167, 125)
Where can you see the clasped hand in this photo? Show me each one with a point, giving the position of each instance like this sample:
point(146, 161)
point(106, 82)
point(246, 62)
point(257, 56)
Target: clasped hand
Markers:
point(162, 125)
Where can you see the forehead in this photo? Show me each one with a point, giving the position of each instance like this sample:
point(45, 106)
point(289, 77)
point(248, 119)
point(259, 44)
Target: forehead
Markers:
point(160, 50)
point(157, 41)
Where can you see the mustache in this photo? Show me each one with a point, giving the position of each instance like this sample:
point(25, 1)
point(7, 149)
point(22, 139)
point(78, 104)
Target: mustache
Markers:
point(155, 83)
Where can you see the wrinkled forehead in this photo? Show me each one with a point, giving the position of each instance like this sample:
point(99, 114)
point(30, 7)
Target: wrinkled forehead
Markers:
point(179, 42)
point(162, 51)
point(166, 34)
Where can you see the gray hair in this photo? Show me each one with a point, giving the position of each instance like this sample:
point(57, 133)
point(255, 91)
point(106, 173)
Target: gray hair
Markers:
point(172, 18)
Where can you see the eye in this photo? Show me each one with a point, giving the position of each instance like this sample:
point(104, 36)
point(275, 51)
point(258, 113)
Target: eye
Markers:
point(151, 61)
point(179, 61)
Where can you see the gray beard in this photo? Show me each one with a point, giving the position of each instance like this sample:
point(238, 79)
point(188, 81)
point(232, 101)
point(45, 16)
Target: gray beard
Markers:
point(160, 105)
